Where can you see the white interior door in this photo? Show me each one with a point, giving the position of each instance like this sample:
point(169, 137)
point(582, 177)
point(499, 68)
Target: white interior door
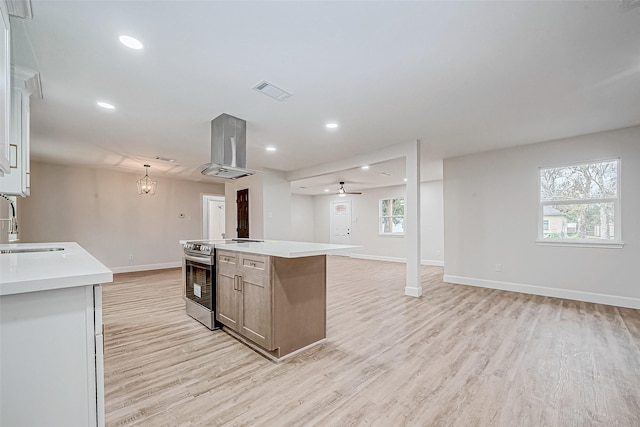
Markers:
point(213, 215)
point(340, 222)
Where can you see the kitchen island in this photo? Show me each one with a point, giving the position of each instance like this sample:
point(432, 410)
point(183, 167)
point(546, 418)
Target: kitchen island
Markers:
point(51, 335)
point(272, 295)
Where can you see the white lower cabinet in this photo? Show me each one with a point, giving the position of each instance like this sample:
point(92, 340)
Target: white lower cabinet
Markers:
point(51, 358)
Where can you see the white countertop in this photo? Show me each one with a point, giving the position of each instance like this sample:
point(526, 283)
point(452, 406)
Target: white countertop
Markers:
point(286, 249)
point(39, 271)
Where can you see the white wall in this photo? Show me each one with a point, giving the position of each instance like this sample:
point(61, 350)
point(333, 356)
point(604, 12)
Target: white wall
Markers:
point(302, 218)
point(490, 205)
point(102, 211)
point(256, 215)
point(364, 231)
point(277, 206)
point(269, 206)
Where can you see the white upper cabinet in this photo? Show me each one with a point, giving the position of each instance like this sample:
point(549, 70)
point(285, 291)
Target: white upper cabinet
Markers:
point(17, 182)
point(5, 87)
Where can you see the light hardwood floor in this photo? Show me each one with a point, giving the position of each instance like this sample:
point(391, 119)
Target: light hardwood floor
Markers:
point(457, 356)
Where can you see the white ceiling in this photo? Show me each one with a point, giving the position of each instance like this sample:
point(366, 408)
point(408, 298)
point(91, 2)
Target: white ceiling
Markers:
point(461, 77)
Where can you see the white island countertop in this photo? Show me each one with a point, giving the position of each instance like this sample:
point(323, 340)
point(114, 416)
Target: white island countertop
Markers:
point(286, 249)
point(39, 271)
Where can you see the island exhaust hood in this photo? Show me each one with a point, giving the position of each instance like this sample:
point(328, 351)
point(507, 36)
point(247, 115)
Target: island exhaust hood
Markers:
point(228, 148)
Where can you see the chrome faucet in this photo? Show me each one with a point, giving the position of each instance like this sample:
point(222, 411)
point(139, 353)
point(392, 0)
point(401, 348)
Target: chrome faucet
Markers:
point(13, 221)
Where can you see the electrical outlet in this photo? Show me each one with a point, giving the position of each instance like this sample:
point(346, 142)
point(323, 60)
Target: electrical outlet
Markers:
point(438, 252)
point(498, 267)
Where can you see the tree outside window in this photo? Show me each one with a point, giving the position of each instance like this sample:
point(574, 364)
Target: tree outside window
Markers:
point(392, 216)
point(580, 202)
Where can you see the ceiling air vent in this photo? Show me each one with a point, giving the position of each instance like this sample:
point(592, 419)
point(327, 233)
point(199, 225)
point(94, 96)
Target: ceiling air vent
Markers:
point(271, 90)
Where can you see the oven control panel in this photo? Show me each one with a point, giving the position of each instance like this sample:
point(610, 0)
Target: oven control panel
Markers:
point(198, 248)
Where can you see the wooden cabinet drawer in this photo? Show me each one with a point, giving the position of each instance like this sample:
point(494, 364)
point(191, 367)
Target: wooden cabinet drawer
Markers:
point(255, 264)
point(226, 259)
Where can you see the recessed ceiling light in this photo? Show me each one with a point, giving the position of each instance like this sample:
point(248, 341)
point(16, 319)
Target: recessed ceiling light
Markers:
point(405, 180)
point(270, 148)
point(365, 167)
point(131, 42)
point(326, 190)
point(331, 125)
point(105, 105)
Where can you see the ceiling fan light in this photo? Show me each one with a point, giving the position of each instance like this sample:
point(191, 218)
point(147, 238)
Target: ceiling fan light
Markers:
point(342, 192)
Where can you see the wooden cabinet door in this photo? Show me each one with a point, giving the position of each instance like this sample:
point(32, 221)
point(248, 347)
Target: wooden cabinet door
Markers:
point(255, 312)
point(227, 298)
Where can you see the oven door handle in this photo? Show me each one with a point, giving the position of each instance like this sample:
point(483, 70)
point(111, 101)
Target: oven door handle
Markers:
point(201, 260)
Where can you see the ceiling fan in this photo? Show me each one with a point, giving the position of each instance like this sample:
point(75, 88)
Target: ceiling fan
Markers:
point(342, 192)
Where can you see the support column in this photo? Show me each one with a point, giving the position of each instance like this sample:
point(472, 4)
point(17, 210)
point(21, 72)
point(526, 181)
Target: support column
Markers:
point(412, 220)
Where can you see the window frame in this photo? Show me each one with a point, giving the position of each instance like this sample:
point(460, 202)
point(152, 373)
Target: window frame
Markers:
point(616, 242)
point(380, 216)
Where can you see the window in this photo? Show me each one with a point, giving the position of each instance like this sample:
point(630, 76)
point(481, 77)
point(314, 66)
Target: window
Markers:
point(580, 203)
point(392, 216)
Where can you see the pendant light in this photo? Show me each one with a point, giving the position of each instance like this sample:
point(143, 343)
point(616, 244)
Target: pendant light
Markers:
point(146, 185)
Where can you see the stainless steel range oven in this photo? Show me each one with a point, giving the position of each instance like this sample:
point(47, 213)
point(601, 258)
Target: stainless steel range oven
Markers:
point(199, 278)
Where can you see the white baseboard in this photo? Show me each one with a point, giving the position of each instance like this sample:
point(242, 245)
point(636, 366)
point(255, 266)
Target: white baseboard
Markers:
point(146, 267)
point(394, 259)
point(413, 292)
point(614, 300)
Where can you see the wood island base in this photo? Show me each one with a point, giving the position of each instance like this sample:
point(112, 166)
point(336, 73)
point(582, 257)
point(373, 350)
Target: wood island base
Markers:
point(276, 305)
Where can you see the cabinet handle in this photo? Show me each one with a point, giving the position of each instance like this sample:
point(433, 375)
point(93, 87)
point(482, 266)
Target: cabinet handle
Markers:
point(237, 283)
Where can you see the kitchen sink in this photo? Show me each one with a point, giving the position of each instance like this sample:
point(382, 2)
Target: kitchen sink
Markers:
point(27, 250)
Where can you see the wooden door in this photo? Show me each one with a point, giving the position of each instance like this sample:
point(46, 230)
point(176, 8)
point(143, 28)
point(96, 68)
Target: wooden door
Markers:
point(243, 213)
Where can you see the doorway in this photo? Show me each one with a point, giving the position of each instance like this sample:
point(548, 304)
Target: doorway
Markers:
point(243, 213)
point(340, 223)
point(213, 217)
